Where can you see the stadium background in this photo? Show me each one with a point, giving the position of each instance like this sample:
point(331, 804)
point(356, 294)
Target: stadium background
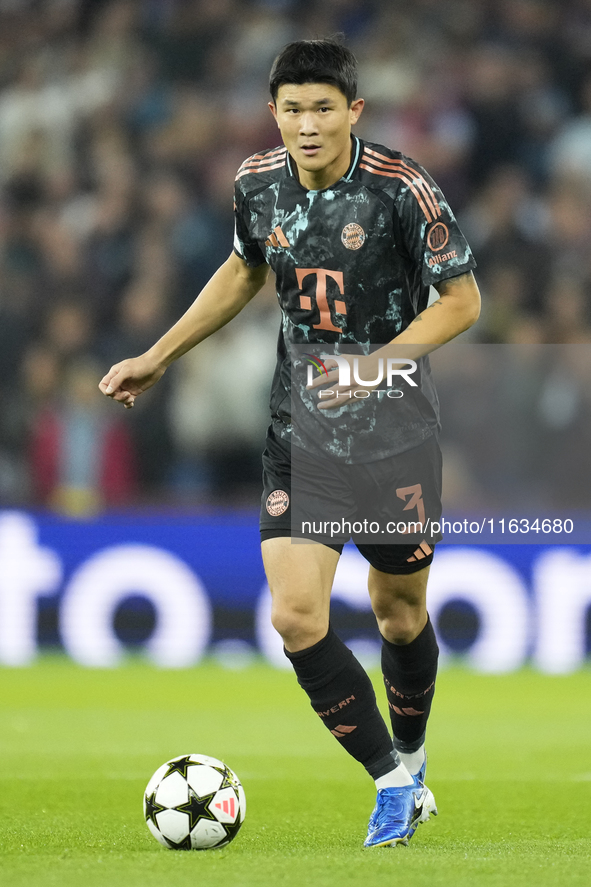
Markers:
point(121, 126)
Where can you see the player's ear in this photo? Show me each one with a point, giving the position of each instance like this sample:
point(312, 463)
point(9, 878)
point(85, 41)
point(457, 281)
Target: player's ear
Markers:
point(355, 110)
point(273, 110)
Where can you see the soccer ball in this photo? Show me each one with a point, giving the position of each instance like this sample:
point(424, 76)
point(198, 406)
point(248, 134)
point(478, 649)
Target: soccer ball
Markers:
point(194, 802)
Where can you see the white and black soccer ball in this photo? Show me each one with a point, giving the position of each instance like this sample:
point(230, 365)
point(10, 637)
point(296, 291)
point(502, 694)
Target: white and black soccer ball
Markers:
point(194, 802)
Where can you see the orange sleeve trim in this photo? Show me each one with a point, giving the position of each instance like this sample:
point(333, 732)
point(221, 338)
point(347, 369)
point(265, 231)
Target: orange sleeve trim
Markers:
point(255, 169)
point(265, 156)
point(387, 163)
point(257, 159)
point(407, 181)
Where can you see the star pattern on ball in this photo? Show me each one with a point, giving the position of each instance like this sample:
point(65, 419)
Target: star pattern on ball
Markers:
point(232, 829)
point(229, 780)
point(197, 808)
point(181, 765)
point(153, 807)
point(185, 844)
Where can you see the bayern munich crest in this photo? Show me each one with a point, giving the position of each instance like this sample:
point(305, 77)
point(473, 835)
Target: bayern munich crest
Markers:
point(277, 503)
point(353, 236)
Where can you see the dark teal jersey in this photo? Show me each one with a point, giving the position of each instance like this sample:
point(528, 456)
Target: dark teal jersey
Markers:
point(353, 264)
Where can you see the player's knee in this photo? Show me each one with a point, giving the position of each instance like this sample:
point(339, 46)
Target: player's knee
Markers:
point(401, 627)
point(298, 628)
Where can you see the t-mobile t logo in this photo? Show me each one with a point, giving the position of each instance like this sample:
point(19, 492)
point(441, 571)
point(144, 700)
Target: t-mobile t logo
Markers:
point(322, 276)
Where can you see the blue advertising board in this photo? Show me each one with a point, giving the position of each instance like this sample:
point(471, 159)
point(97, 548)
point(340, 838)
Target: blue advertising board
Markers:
point(178, 586)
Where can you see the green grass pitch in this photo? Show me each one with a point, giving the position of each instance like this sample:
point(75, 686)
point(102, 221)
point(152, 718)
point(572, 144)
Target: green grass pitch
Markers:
point(510, 766)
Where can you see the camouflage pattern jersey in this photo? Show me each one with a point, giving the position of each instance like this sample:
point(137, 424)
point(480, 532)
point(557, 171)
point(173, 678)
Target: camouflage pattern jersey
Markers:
point(353, 266)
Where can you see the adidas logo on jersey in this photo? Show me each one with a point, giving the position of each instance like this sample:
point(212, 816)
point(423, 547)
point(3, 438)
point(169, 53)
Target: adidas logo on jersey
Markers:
point(277, 238)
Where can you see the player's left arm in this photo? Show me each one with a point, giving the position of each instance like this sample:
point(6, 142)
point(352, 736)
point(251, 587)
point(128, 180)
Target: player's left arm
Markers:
point(455, 311)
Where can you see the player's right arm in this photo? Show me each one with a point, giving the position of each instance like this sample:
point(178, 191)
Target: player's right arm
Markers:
point(231, 288)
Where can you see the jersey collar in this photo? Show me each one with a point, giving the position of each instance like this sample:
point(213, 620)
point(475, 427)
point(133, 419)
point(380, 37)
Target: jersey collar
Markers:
point(355, 158)
point(356, 153)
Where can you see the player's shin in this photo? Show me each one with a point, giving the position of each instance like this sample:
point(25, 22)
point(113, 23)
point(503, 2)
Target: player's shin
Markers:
point(409, 676)
point(343, 697)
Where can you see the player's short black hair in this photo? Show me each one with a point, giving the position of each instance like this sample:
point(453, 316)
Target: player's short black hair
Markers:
point(316, 61)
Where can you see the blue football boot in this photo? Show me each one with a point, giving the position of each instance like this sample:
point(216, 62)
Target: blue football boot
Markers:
point(399, 811)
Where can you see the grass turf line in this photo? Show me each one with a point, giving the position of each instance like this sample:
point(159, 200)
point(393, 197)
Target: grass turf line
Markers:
point(510, 767)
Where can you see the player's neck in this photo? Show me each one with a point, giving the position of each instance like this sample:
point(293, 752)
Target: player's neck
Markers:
point(319, 179)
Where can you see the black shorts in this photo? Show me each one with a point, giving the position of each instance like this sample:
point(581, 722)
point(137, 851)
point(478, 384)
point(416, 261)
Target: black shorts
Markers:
point(388, 507)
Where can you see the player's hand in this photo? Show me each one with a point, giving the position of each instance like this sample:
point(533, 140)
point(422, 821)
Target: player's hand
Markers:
point(332, 395)
point(129, 378)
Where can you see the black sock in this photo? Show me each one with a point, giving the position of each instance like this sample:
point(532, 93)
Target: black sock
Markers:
point(409, 675)
point(343, 697)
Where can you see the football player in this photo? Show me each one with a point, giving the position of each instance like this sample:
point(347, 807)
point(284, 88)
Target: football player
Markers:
point(356, 234)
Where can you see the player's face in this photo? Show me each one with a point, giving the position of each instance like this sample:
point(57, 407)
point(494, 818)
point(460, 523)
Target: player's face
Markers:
point(315, 123)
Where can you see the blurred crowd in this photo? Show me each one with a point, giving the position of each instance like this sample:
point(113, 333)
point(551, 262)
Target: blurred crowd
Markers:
point(122, 123)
